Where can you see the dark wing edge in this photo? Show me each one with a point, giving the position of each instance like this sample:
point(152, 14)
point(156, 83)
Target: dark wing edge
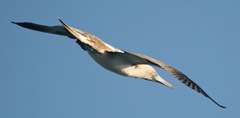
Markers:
point(59, 30)
point(178, 74)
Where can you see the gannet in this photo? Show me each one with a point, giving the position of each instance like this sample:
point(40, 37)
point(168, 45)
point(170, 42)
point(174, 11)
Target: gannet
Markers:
point(116, 60)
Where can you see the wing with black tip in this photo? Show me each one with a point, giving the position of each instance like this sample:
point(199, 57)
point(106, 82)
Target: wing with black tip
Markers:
point(143, 59)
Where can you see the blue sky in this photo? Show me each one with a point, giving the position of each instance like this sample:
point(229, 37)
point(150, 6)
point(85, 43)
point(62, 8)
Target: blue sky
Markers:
point(48, 76)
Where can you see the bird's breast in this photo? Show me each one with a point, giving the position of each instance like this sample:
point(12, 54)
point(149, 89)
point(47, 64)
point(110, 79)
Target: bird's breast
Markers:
point(110, 63)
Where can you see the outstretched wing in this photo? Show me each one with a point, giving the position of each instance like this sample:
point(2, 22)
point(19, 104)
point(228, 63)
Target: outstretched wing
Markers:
point(143, 59)
point(57, 29)
point(86, 40)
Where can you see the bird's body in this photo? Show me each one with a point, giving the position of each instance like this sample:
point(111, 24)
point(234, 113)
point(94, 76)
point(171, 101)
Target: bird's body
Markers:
point(121, 66)
point(118, 61)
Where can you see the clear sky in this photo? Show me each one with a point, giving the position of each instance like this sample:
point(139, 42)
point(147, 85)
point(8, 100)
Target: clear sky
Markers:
point(49, 76)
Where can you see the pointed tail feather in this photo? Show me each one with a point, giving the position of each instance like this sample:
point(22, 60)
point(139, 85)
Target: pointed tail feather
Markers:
point(162, 81)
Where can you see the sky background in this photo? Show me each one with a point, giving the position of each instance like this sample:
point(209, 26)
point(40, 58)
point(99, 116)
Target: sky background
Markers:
point(49, 76)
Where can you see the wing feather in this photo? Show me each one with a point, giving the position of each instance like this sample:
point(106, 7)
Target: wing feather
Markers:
point(136, 58)
point(57, 29)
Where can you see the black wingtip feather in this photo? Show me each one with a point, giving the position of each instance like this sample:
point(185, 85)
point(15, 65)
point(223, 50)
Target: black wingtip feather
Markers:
point(224, 107)
point(22, 24)
point(13, 22)
point(25, 24)
point(19, 23)
point(60, 20)
point(206, 95)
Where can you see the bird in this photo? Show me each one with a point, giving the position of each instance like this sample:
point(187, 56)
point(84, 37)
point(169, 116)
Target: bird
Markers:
point(116, 60)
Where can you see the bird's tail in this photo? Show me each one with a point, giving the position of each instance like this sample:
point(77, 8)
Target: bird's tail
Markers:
point(162, 81)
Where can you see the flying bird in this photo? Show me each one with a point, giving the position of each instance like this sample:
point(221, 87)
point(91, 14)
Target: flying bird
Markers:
point(116, 60)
